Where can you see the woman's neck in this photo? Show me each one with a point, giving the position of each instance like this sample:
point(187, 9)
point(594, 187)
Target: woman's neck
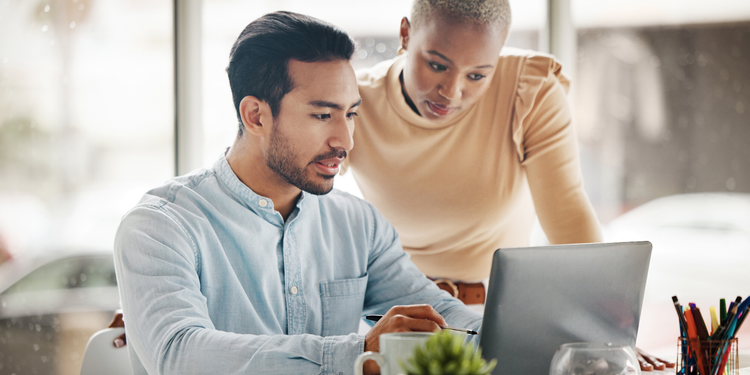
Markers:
point(406, 96)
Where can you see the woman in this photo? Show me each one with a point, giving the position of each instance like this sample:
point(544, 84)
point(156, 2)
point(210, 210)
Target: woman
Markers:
point(457, 144)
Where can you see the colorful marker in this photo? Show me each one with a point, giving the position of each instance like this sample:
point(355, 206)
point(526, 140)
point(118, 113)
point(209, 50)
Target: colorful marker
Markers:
point(714, 320)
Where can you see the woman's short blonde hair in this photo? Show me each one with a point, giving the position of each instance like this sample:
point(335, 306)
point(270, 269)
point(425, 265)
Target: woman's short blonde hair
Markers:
point(475, 11)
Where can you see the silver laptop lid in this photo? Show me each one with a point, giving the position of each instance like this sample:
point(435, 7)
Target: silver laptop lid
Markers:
point(542, 297)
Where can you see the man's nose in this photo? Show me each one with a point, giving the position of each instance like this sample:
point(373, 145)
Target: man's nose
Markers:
point(342, 136)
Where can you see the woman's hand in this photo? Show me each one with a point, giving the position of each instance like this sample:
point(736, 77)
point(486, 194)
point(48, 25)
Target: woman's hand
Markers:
point(117, 322)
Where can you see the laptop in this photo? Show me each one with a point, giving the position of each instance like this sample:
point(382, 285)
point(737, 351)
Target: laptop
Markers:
point(542, 297)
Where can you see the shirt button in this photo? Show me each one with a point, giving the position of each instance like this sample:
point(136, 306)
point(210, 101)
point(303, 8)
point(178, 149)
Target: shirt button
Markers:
point(263, 203)
point(293, 289)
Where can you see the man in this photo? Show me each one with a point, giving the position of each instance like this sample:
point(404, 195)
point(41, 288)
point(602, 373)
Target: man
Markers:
point(251, 266)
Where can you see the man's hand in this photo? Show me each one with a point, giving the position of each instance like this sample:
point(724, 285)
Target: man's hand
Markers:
point(412, 318)
point(117, 322)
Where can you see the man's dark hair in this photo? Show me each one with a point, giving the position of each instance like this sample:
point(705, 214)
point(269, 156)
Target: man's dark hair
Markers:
point(259, 57)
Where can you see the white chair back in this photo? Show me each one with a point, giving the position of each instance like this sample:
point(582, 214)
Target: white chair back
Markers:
point(101, 357)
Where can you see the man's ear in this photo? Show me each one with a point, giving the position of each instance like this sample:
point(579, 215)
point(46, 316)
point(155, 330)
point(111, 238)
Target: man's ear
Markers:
point(255, 113)
point(403, 33)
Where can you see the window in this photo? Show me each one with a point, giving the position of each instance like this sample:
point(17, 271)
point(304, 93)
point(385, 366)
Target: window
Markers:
point(86, 116)
point(662, 106)
point(373, 25)
point(86, 127)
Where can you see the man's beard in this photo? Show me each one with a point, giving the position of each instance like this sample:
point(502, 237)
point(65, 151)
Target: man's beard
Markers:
point(281, 159)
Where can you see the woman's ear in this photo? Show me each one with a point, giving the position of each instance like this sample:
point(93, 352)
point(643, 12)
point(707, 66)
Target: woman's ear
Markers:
point(403, 34)
point(254, 112)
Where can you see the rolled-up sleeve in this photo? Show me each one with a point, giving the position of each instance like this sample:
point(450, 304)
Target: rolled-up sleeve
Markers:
point(395, 280)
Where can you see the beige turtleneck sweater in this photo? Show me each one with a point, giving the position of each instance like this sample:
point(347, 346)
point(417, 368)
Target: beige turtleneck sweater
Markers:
point(456, 192)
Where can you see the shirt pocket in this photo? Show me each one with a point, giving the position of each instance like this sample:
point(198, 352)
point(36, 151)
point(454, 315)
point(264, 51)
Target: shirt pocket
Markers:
point(342, 302)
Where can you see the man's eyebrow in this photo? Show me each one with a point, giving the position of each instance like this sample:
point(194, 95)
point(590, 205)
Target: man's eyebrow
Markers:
point(324, 104)
point(436, 53)
point(327, 104)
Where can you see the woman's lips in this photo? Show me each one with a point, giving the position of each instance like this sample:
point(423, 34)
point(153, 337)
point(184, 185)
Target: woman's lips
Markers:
point(440, 109)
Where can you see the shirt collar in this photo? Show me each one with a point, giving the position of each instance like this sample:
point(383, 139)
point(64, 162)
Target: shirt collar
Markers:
point(259, 204)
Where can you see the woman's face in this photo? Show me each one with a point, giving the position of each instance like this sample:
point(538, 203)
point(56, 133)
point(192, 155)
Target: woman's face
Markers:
point(450, 64)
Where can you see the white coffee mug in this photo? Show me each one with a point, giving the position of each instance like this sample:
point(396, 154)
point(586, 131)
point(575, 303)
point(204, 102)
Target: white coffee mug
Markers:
point(393, 347)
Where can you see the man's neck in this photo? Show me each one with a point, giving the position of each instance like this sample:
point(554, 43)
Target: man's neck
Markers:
point(248, 165)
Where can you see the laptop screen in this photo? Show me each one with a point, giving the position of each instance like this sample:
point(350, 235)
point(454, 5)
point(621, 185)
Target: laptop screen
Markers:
point(542, 297)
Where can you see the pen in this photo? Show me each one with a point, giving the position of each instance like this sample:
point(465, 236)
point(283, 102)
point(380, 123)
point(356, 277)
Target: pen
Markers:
point(700, 327)
point(375, 318)
point(736, 318)
point(680, 316)
point(714, 320)
point(728, 333)
point(695, 342)
point(683, 332)
point(730, 317)
point(742, 318)
point(700, 324)
point(737, 326)
point(731, 304)
point(732, 326)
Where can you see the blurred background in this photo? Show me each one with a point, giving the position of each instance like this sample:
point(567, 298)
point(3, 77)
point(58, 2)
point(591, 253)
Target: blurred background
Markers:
point(88, 104)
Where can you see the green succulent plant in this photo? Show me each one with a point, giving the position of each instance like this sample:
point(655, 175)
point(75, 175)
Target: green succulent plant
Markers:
point(446, 353)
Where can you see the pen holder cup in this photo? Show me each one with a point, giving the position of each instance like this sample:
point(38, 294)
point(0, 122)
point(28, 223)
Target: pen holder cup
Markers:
point(719, 357)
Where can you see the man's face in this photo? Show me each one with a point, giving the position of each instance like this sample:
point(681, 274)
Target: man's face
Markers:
point(313, 131)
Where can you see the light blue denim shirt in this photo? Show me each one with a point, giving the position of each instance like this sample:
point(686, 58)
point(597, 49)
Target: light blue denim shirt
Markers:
point(212, 280)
